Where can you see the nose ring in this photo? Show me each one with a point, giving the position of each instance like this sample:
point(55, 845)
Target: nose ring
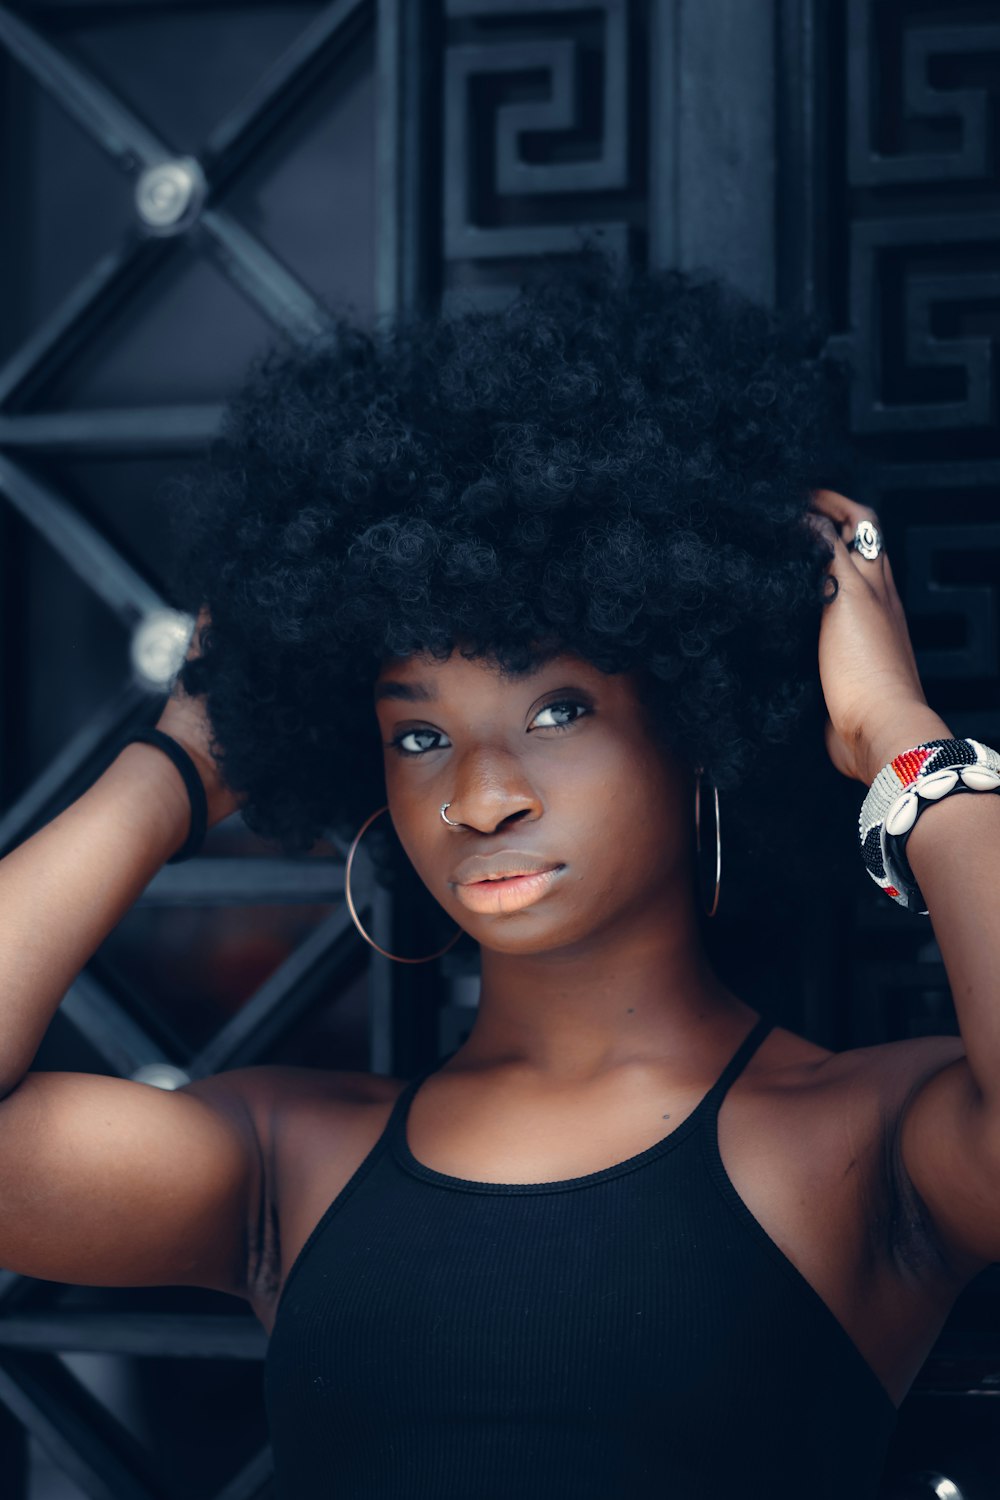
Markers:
point(444, 813)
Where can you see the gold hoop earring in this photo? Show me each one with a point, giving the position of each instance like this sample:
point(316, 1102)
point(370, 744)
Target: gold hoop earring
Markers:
point(709, 912)
point(354, 915)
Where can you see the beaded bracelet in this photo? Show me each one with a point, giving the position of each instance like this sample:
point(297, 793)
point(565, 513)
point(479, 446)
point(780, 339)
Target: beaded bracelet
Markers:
point(902, 791)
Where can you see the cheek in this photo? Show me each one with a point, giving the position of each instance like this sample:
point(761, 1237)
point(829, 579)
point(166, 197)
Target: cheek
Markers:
point(625, 800)
point(409, 812)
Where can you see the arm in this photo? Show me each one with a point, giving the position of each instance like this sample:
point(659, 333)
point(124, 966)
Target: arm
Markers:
point(103, 1180)
point(949, 1131)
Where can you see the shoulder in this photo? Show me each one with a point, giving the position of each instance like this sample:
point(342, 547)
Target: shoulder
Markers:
point(296, 1118)
point(856, 1100)
point(277, 1100)
point(887, 1073)
point(883, 1075)
point(864, 1090)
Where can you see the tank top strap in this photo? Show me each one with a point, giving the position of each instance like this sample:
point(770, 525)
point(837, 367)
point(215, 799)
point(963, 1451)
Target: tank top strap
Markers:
point(395, 1125)
point(761, 1028)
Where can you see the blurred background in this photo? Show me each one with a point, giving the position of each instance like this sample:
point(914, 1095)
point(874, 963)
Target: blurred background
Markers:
point(181, 184)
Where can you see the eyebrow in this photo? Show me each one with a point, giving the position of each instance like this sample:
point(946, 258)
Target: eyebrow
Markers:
point(409, 692)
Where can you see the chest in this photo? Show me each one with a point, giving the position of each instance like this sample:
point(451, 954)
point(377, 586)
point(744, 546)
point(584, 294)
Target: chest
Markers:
point(786, 1182)
point(602, 1335)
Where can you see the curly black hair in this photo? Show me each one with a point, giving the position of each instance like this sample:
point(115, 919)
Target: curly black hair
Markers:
point(616, 463)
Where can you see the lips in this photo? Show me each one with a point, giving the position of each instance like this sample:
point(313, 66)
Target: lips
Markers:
point(505, 864)
point(502, 896)
point(506, 881)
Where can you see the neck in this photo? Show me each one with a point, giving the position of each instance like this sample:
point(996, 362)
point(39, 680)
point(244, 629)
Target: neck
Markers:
point(641, 992)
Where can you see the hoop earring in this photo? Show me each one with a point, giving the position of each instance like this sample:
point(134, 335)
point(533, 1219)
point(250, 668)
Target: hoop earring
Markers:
point(709, 912)
point(354, 915)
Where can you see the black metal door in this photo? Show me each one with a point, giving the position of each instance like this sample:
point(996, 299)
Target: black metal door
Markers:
point(181, 183)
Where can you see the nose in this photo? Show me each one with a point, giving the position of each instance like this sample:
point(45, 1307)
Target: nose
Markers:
point(490, 790)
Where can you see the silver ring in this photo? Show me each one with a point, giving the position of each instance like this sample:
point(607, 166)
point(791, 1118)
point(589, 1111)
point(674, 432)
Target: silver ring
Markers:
point(444, 809)
point(867, 540)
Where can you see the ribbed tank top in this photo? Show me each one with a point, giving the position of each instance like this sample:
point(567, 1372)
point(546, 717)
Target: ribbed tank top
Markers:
point(627, 1334)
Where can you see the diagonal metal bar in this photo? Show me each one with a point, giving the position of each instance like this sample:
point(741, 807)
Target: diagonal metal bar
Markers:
point(78, 543)
point(262, 278)
point(16, 1291)
point(156, 1335)
point(284, 996)
point(147, 430)
point(86, 306)
point(253, 1482)
point(66, 771)
point(137, 1002)
point(9, 1283)
point(122, 135)
point(81, 1437)
point(246, 882)
point(109, 1029)
point(276, 90)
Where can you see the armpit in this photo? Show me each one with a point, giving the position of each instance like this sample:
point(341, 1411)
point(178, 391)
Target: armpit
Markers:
point(910, 1239)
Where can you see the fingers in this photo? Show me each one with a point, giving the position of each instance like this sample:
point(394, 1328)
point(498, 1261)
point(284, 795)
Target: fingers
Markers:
point(846, 513)
point(844, 516)
point(203, 620)
point(825, 527)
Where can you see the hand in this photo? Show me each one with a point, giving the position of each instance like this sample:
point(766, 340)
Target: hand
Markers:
point(186, 718)
point(874, 698)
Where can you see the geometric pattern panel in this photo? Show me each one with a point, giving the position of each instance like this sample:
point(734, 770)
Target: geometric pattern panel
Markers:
point(908, 109)
point(921, 95)
point(541, 109)
point(908, 274)
point(68, 376)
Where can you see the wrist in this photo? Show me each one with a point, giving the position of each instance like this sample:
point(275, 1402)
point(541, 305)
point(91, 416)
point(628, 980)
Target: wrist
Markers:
point(167, 797)
point(910, 725)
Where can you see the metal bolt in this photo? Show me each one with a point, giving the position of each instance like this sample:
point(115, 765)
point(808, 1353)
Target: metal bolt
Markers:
point(159, 646)
point(161, 1075)
point(169, 194)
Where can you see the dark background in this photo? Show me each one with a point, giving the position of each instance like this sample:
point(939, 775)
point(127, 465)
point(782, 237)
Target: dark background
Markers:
point(829, 156)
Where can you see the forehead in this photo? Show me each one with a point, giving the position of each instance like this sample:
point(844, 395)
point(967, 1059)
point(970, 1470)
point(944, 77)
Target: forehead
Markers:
point(425, 678)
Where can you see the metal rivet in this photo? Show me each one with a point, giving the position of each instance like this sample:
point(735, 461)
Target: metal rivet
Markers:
point(161, 1075)
point(169, 194)
point(159, 646)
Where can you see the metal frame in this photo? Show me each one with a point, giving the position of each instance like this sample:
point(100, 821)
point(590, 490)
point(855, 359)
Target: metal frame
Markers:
point(35, 1389)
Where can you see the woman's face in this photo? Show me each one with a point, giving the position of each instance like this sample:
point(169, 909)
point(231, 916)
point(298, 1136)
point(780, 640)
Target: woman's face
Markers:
point(556, 771)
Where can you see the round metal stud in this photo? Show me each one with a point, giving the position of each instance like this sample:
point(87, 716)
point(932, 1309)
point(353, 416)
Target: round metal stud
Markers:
point(169, 194)
point(161, 1075)
point(159, 646)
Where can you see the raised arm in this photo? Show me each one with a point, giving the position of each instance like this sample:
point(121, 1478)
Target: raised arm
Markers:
point(104, 1181)
point(949, 1130)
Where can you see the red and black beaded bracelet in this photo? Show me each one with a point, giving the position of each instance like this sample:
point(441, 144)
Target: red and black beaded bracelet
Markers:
point(902, 791)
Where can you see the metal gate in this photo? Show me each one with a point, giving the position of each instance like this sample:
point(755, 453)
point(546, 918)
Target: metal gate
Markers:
point(180, 183)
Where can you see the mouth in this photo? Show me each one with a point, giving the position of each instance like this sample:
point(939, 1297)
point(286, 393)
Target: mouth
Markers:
point(505, 893)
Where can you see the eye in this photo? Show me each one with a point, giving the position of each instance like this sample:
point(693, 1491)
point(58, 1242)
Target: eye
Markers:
point(397, 742)
point(559, 707)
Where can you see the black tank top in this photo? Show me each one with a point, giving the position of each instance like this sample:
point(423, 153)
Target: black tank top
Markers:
point(627, 1334)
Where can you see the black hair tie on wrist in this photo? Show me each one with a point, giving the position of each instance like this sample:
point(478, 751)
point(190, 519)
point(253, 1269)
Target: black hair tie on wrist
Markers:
point(192, 780)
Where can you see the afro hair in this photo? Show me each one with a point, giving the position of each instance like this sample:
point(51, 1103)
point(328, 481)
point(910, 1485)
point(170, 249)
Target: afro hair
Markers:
point(616, 463)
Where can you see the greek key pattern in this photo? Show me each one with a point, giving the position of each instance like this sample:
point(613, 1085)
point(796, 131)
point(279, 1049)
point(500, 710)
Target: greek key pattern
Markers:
point(536, 143)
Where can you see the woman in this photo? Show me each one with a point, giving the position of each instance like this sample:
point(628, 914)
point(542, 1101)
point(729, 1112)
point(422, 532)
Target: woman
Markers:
point(528, 580)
